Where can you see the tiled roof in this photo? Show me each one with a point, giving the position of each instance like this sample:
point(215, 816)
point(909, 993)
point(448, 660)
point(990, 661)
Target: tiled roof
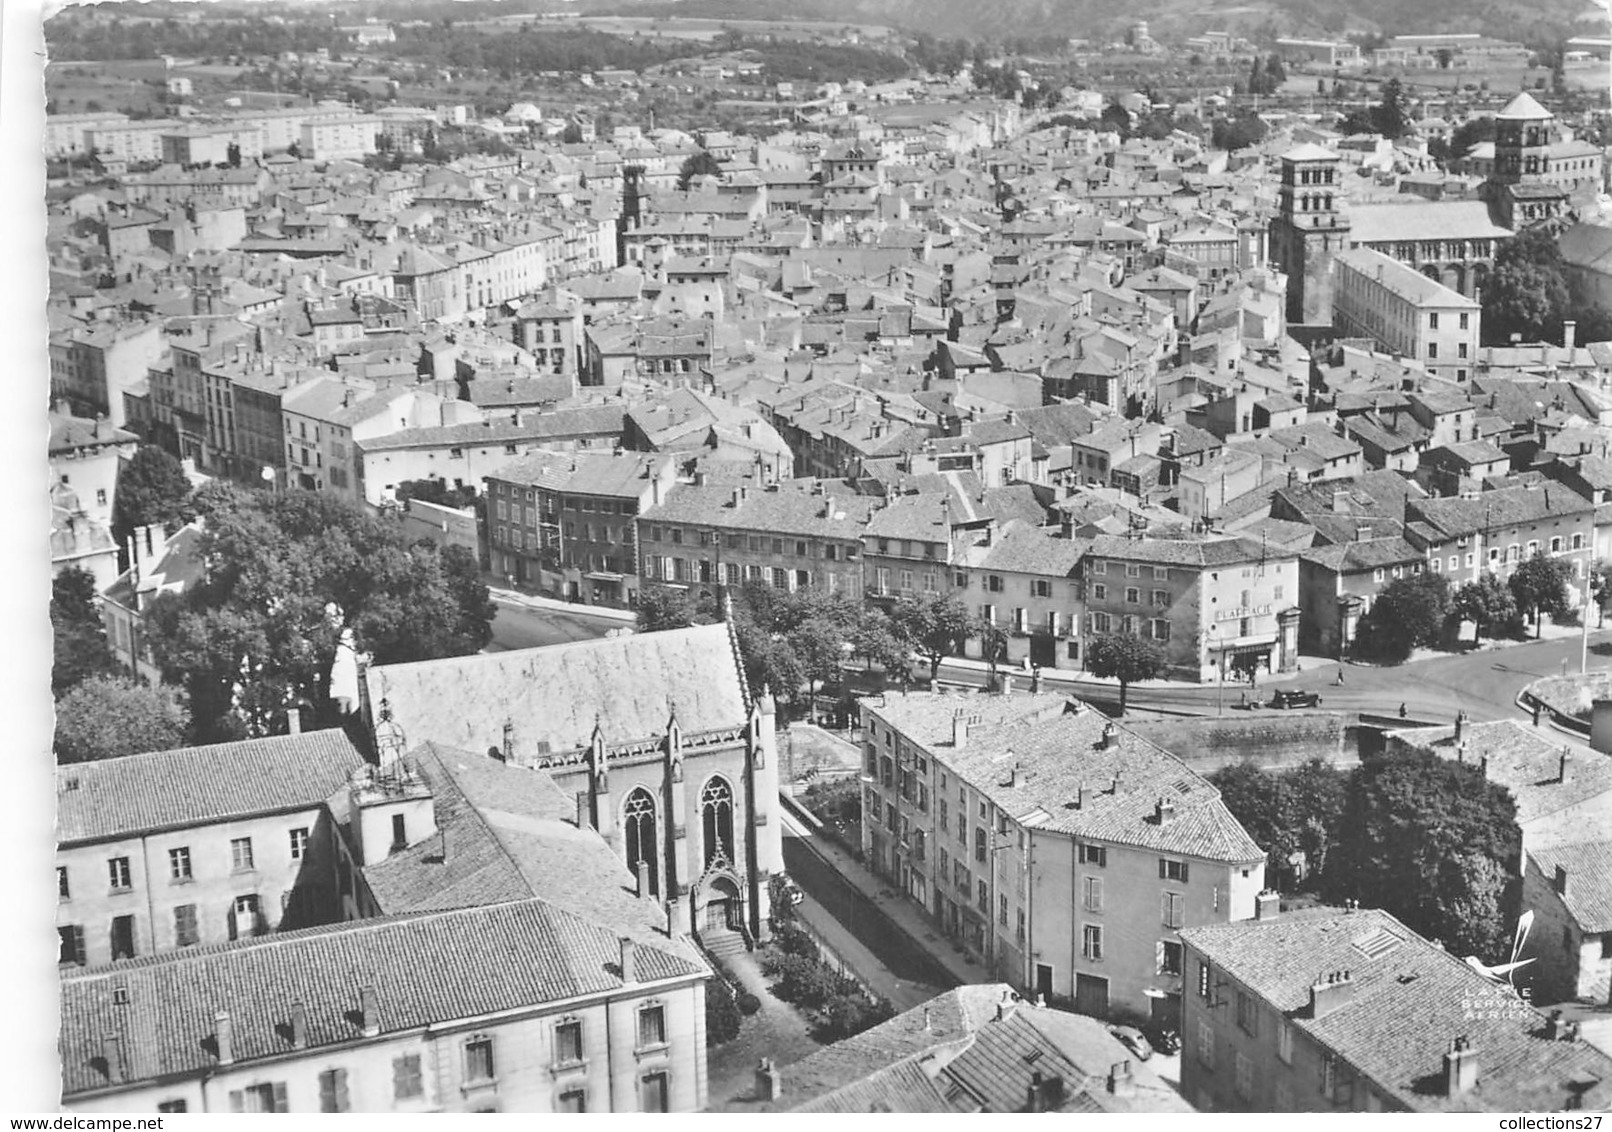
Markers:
point(424, 970)
point(111, 798)
point(555, 695)
point(1024, 549)
point(954, 1053)
point(507, 833)
point(790, 509)
point(1180, 552)
point(1410, 1000)
point(1443, 220)
point(1505, 507)
point(1589, 880)
point(1525, 763)
point(1059, 753)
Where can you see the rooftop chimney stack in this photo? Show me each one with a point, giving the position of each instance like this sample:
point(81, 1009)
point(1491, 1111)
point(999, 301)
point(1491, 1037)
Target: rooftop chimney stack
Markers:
point(224, 1037)
point(1327, 994)
point(629, 961)
point(369, 1011)
point(1121, 1081)
point(643, 879)
point(960, 727)
point(293, 721)
point(1267, 905)
point(1564, 765)
point(1561, 880)
point(584, 810)
point(1164, 811)
point(112, 1051)
point(299, 1026)
point(1110, 741)
point(1460, 1068)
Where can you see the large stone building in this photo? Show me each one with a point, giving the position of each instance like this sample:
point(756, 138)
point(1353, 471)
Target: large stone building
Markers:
point(1408, 314)
point(1310, 228)
point(1059, 850)
point(1337, 1011)
point(657, 738)
point(186, 848)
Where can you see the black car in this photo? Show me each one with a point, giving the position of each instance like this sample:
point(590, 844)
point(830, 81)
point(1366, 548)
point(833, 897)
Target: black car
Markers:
point(1289, 698)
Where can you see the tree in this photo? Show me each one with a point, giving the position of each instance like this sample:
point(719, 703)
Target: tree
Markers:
point(1392, 115)
point(933, 623)
point(1124, 657)
point(77, 634)
point(664, 607)
point(152, 488)
point(1487, 603)
point(107, 717)
point(701, 164)
point(1527, 291)
point(1294, 814)
point(1408, 613)
point(876, 640)
point(819, 646)
point(288, 576)
point(1275, 74)
point(572, 134)
point(1232, 134)
point(993, 644)
point(1413, 830)
point(1540, 585)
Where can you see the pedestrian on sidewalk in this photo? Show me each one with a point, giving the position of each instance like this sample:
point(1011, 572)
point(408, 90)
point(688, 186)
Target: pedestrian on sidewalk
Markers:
point(1402, 712)
point(1339, 681)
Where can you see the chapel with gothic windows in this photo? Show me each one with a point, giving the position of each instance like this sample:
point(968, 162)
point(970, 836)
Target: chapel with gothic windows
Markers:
point(668, 753)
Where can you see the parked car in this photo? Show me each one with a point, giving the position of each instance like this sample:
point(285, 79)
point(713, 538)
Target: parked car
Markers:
point(1290, 698)
point(1134, 1040)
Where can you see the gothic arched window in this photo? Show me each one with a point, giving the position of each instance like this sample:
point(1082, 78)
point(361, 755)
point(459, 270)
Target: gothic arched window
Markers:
point(638, 816)
point(716, 811)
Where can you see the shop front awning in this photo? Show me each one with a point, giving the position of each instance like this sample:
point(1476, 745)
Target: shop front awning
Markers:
point(603, 576)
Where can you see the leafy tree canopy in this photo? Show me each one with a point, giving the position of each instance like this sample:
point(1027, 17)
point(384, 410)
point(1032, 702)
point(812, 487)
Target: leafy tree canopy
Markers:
point(107, 717)
point(701, 164)
point(1488, 603)
point(77, 634)
point(152, 488)
point(1413, 830)
point(935, 624)
point(1540, 585)
point(287, 575)
point(1293, 814)
point(1408, 613)
point(1124, 657)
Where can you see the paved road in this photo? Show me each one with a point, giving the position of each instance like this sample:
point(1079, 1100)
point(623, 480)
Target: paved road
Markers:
point(860, 916)
point(523, 627)
point(1485, 682)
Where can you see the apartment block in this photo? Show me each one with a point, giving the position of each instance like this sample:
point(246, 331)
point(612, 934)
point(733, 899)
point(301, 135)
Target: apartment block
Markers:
point(1406, 312)
point(1056, 848)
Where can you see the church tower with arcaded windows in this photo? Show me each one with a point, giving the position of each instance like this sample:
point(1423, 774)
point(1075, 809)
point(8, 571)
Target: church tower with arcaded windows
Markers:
point(1310, 228)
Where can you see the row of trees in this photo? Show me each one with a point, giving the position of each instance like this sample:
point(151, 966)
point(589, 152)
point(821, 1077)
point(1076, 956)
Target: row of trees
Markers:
point(798, 640)
point(1422, 610)
point(1428, 839)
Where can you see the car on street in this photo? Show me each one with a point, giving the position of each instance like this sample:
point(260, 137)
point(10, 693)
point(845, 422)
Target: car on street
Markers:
point(1134, 1040)
point(1291, 698)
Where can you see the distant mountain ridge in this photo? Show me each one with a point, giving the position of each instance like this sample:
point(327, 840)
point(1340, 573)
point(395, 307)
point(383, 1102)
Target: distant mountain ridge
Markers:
point(1522, 20)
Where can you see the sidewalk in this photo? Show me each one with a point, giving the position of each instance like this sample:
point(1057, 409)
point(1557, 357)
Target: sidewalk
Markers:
point(574, 608)
point(902, 912)
point(902, 993)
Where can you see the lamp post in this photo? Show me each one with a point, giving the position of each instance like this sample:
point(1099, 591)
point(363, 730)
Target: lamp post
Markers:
point(1220, 669)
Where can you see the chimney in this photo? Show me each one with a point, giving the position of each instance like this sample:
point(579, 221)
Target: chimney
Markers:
point(509, 741)
point(643, 879)
point(1460, 1068)
point(1267, 905)
point(1121, 1081)
point(1007, 683)
point(1569, 334)
point(1362, 532)
point(112, 1051)
point(1340, 501)
point(1080, 797)
point(926, 1019)
point(293, 721)
point(629, 961)
point(1111, 740)
point(769, 1081)
point(1164, 811)
point(1460, 725)
point(959, 727)
point(224, 1038)
point(369, 1011)
point(299, 1026)
point(1035, 1101)
point(584, 811)
point(1563, 765)
point(1561, 880)
point(1331, 992)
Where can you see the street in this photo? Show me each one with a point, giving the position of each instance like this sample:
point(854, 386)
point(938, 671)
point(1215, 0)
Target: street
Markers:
point(860, 916)
point(521, 626)
point(1484, 682)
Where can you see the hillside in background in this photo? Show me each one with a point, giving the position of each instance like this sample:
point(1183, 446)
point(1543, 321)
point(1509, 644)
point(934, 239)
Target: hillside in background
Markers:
point(1530, 21)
